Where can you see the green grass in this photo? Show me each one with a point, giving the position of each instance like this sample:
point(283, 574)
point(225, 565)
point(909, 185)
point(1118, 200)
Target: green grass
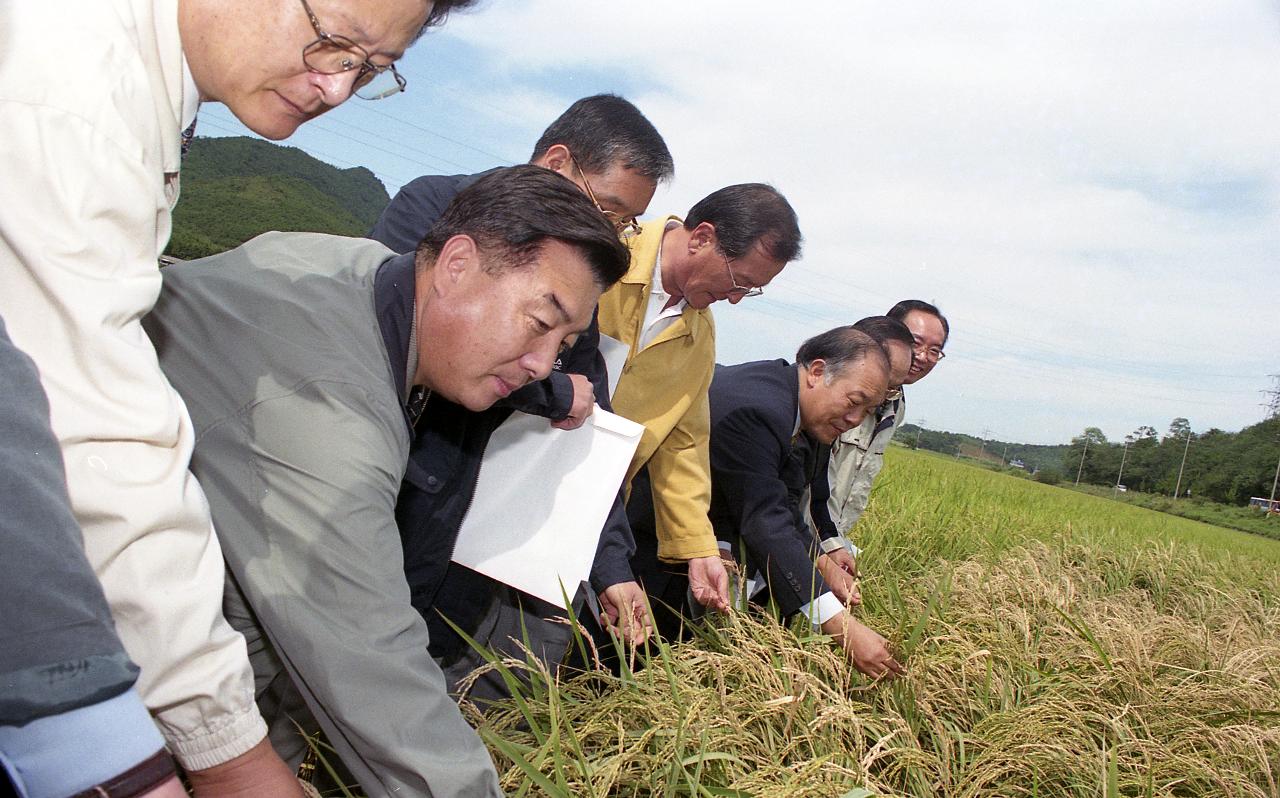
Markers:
point(1058, 644)
point(1245, 519)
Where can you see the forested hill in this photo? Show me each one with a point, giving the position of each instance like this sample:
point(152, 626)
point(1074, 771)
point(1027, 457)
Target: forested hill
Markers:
point(235, 188)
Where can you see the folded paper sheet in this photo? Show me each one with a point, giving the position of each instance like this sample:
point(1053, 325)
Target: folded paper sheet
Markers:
point(541, 500)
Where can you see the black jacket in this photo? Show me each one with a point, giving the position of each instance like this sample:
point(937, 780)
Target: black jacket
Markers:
point(756, 481)
point(449, 441)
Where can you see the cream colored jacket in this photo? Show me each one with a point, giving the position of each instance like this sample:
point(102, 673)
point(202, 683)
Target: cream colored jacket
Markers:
point(91, 108)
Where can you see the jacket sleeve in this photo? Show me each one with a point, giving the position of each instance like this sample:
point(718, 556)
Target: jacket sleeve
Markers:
point(315, 547)
point(680, 471)
point(849, 484)
point(78, 259)
point(747, 462)
point(58, 648)
point(820, 494)
point(612, 564)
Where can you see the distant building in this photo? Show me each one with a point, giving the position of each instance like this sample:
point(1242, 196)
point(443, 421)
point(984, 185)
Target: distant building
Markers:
point(1017, 464)
point(1267, 505)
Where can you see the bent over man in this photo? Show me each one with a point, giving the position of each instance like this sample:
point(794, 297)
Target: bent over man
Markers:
point(731, 244)
point(96, 101)
point(757, 410)
point(308, 360)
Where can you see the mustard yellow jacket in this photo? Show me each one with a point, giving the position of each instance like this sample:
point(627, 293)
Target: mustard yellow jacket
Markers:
point(664, 387)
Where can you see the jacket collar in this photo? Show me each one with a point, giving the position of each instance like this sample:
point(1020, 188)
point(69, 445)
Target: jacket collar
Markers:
point(394, 287)
point(644, 254)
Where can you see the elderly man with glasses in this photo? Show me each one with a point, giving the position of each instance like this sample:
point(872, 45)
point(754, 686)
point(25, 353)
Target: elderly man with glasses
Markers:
point(729, 246)
point(857, 456)
point(97, 102)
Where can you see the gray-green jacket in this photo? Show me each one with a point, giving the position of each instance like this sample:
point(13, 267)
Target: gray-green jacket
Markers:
point(856, 459)
point(301, 445)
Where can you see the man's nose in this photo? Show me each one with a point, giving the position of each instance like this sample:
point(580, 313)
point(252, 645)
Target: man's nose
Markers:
point(540, 360)
point(335, 89)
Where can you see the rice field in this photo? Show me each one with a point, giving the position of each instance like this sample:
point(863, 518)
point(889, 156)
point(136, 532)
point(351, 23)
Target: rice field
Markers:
point(1058, 644)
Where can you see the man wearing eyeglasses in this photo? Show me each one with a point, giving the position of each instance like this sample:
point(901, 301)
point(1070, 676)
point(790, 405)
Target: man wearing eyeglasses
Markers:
point(729, 246)
point(93, 134)
point(610, 151)
point(857, 457)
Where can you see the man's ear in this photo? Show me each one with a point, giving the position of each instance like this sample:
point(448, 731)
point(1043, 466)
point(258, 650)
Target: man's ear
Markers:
point(702, 237)
point(815, 372)
point(458, 259)
point(557, 158)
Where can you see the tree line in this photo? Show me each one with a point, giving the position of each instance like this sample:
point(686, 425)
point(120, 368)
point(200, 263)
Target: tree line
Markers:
point(1227, 467)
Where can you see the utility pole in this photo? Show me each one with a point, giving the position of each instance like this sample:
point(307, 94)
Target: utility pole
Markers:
point(986, 433)
point(1177, 488)
point(1123, 456)
point(1005, 455)
point(919, 429)
point(1080, 470)
point(1272, 507)
point(1273, 403)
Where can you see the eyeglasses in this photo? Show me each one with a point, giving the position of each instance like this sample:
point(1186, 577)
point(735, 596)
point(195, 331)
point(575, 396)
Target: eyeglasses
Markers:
point(626, 226)
point(892, 395)
point(330, 54)
point(933, 353)
point(746, 290)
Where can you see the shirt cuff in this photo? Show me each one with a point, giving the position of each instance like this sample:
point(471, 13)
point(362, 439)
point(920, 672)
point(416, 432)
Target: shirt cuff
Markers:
point(822, 609)
point(840, 542)
point(72, 751)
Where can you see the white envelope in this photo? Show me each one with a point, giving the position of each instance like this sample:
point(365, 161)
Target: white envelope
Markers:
point(541, 500)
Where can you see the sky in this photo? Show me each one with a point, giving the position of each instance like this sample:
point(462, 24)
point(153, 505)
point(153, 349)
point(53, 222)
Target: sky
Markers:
point(1090, 191)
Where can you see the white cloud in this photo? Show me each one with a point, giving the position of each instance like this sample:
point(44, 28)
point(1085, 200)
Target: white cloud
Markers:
point(1090, 189)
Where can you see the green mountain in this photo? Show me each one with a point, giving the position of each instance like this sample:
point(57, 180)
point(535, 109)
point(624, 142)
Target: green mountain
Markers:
point(235, 188)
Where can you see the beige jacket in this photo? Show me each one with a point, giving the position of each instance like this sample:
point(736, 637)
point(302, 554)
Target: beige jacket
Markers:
point(91, 109)
point(856, 459)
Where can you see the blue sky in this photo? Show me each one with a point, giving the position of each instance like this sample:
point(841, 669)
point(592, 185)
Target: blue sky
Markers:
point(1090, 191)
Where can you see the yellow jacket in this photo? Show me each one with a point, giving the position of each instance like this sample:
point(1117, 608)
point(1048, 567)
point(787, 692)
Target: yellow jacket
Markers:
point(664, 387)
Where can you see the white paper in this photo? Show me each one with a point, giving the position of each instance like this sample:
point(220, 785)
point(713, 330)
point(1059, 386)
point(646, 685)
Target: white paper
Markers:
point(541, 500)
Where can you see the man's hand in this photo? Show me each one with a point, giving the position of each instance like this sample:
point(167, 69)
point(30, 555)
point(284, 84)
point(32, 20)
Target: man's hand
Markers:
point(584, 402)
point(709, 582)
point(868, 650)
point(256, 772)
point(626, 612)
point(840, 574)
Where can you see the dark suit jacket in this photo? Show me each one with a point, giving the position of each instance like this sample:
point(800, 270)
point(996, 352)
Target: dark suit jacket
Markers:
point(755, 479)
point(449, 442)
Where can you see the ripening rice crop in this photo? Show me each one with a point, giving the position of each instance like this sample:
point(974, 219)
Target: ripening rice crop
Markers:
point(1057, 645)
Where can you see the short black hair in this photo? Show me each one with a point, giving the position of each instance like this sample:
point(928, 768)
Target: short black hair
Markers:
point(885, 329)
point(840, 348)
point(900, 311)
point(439, 12)
point(747, 213)
point(603, 130)
point(511, 212)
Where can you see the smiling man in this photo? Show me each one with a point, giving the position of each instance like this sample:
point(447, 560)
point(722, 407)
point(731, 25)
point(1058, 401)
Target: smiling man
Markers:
point(757, 411)
point(731, 244)
point(913, 333)
point(307, 360)
point(94, 101)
